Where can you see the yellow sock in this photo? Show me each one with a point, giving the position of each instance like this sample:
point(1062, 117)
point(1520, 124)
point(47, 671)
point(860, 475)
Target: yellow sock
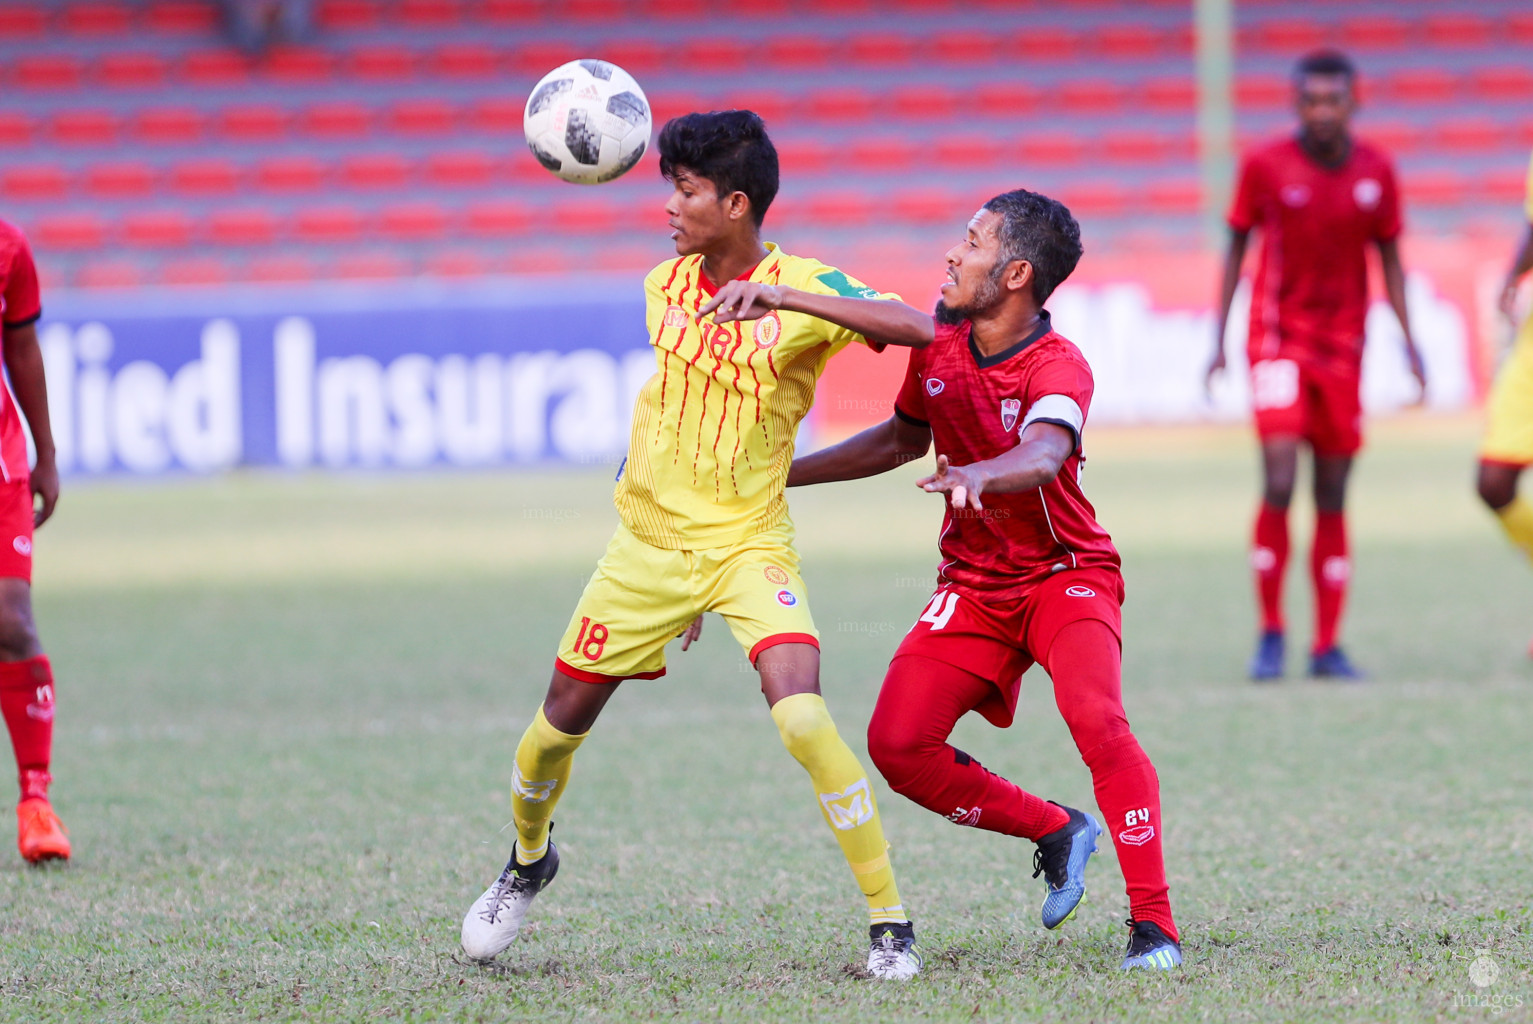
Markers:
point(1517, 520)
point(538, 777)
point(846, 799)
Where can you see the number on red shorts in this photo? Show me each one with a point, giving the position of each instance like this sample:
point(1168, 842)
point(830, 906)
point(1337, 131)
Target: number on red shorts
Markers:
point(593, 645)
point(936, 613)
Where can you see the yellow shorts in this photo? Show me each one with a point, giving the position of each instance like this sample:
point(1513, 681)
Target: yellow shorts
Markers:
point(642, 597)
point(1509, 413)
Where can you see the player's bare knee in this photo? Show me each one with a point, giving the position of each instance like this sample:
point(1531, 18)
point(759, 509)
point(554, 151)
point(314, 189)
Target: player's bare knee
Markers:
point(18, 636)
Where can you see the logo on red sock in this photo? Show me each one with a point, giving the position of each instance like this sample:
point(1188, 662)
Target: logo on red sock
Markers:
point(968, 817)
point(41, 709)
point(1137, 828)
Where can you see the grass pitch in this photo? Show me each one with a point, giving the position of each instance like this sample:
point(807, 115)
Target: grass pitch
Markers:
point(287, 709)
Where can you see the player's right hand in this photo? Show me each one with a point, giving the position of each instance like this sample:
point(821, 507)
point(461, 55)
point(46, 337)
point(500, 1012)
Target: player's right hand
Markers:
point(961, 483)
point(742, 300)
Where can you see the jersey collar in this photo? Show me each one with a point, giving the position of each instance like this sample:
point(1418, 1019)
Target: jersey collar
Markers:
point(709, 288)
point(984, 362)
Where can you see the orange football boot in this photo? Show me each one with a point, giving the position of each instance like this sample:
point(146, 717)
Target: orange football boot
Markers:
point(40, 834)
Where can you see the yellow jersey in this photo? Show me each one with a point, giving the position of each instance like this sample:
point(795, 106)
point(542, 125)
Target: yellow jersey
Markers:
point(1527, 204)
point(714, 428)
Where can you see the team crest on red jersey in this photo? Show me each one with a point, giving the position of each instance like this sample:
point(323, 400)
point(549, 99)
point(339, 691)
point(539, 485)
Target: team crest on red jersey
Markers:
point(768, 330)
point(1011, 408)
point(675, 316)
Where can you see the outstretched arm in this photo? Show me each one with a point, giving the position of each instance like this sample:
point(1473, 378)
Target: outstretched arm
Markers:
point(1394, 287)
point(1232, 261)
point(879, 449)
point(1033, 463)
point(882, 321)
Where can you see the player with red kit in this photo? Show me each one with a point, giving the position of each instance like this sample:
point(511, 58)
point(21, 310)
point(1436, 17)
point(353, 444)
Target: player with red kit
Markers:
point(26, 501)
point(1027, 574)
point(1321, 199)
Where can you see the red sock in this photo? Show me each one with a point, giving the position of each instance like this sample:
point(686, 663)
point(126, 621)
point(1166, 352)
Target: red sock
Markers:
point(1084, 660)
point(1269, 560)
point(920, 702)
point(1331, 569)
point(26, 701)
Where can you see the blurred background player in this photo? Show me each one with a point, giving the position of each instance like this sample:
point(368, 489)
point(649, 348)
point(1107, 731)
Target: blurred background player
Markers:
point(1320, 199)
point(1027, 575)
point(26, 678)
point(705, 525)
point(1508, 445)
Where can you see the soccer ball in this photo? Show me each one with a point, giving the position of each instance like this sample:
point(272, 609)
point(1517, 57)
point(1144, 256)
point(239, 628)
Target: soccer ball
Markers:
point(588, 121)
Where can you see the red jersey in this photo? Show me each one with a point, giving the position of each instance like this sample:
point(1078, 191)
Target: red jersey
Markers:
point(1310, 297)
point(977, 407)
point(20, 305)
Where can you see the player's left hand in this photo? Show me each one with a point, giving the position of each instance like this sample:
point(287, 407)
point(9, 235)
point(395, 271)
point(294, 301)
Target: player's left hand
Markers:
point(692, 632)
point(45, 489)
point(742, 300)
point(961, 483)
point(1418, 370)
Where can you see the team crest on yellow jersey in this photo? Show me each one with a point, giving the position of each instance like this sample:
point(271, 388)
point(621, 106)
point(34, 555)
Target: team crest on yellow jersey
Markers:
point(768, 330)
point(775, 575)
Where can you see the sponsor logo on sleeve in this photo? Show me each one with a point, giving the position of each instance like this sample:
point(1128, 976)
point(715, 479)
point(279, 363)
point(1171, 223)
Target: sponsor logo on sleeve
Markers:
point(786, 598)
point(934, 386)
point(1367, 192)
point(1011, 408)
point(1080, 592)
point(675, 316)
point(23, 546)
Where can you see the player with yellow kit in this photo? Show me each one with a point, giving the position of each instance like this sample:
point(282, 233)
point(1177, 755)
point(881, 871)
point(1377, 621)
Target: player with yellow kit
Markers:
point(705, 524)
point(1508, 445)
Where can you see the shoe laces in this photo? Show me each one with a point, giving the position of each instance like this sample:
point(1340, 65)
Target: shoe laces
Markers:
point(1144, 936)
point(886, 952)
point(509, 886)
point(1053, 862)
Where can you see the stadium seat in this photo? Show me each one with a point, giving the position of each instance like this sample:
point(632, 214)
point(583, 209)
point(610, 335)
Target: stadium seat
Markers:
point(456, 263)
point(882, 154)
point(246, 226)
point(97, 19)
point(841, 104)
point(1508, 186)
point(282, 268)
point(1518, 27)
point(69, 232)
point(169, 124)
point(290, 174)
point(471, 168)
point(295, 64)
point(330, 224)
point(971, 151)
point(1263, 92)
point(880, 48)
point(591, 215)
point(121, 180)
point(1140, 147)
point(1435, 188)
point(33, 182)
point(1096, 199)
point(1460, 29)
point(662, 105)
point(547, 54)
point(1506, 83)
point(1052, 149)
point(1396, 137)
point(1008, 99)
point(594, 10)
point(1375, 32)
point(22, 21)
point(427, 13)
point(131, 70)
point(15, 129)
point(373, 264)
point(215, 67)
point(194, 270)
point(207, 176)
point(157, 229)
point(1283, 37)
point(1129, 41)
point(382, 63)
point(636, 55)
point(930, 206)
point(835, 208)
point(498, 217)
point(375, 171)
point(49, 71)
point(1171, 94)
point(636, 257)
point(182, 16)
point(414, 221)
point(804, 155)
point(773, 107)
point(925, 102)
point(503, 115)
point(799, 52)
point(1470, 135)
point(963, 48)
point(1175, 196)
point(714, 54)
point(1046, 43)
point(1420, 85)
point(422, 117)
point(466, 60)
point(1092, 96)
point(111, 273)
point(84, 127)
point(540, 260)
point(502, 12)
point(342, 15)
point(336, 120)
point(255, 123)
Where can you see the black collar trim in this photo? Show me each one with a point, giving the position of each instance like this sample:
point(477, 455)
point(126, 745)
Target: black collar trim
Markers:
point(985, 362)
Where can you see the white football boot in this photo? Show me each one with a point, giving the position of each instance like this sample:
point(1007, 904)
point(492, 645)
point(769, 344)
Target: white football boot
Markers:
point(492, 922)
point(892, 954)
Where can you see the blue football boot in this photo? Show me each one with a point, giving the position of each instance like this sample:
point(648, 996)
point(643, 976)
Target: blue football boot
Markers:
point(1061, 859)
point(1332, 663)
point(1267, 662)
point(1149, 947)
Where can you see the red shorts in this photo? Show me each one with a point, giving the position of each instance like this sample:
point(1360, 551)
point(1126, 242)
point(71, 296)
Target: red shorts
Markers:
point(16, 529)
point(1319, 402)
point(1000, 639)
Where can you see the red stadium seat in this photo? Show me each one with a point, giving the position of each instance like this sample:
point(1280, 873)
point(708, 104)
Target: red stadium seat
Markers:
point(347, 14)
point(132, 70)
point(930, 206)
point(382, 63)
point(336, 120)
point(589, 215)
point(972, 150)
point(498, 217)
point(254, 122)
point(170, 124)
point(1435, 188)
point(245, 226)
point(1043, 43)
point(374, 264)
point(804, 156)
point(121, 180)
point(182, 16)
point(540, 261)
point(414, 222)
point(963, 47)
point(632, 256)
point(428, 13)
point(1508, 185)
point(841, 104)
point(97, 19)
point(1173, 196)
point(883, 154)
point(300, 64)
point(15, 128)
point(157, 229)
point(22, 21)
point(206, 176)
point(215, 67)
point(1420, 85)
point(594, 10)
point(33, 182)
point(1008, 99)
point(48, 72)
point(422, 117)
point(1393, 136)
point(662, 105)
point(1130, 41)
point(510, 11)
point(84, 127)
point(457, 263)
point(461, 168)
point(1519, 27)
point(671, 8)
point(800, 52)
point(1471, 135)
point(714, 54)
point(1092, 96)
point(1172, 94)
point(195, 270)
point(926, 102)
point(111, 273)
point(1461, 29)
point(330, 224)
point(1142, 147)
point(1508, 83)
point(840, 208)
point(502, 115)
point(69, 232)
point(1375, 32)
point(1095, 198)
point(881, 48)
point(773, 107)
point(1052, 148)
point(290, 174)
point(545, 54)
point(375, 171)
point(285, 267)
point(1263, 92)
point(467, 60)
point(1283, 37)
point(636, 55)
